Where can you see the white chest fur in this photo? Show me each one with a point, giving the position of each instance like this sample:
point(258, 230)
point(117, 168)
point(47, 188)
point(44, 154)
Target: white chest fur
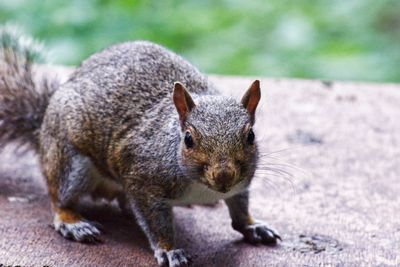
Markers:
point(197, 193)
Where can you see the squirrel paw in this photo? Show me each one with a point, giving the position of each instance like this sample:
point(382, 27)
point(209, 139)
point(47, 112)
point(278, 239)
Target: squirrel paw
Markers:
point(172, 258)
point(260, 233)
point(81, 231)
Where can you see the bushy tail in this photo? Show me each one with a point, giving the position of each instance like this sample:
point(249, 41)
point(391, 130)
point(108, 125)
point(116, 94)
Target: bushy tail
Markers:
point(23, 98)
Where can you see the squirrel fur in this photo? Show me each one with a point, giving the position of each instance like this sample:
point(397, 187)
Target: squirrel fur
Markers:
point(137, 123)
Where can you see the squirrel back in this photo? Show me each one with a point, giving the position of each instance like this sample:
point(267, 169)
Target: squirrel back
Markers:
point(122, 91)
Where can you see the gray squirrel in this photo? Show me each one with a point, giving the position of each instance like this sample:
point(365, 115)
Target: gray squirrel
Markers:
point(137, 123)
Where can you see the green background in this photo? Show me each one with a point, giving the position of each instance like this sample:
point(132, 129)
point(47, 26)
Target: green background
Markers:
point(335, 39)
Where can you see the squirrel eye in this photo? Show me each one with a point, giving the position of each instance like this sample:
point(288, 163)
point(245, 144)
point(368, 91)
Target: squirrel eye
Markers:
point(250, 137)
point(188, 140)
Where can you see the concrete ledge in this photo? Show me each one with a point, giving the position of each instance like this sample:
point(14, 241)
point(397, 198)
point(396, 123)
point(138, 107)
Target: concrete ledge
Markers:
point(335, 200)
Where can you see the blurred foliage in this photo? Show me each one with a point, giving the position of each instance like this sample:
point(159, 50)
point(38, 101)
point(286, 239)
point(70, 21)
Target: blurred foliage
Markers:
point(341, 39)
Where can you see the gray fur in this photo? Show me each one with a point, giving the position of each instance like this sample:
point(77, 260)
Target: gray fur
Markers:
point(23, 102)
point(115, 115)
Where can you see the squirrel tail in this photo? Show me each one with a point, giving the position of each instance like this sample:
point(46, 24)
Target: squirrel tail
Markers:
point(23, 99)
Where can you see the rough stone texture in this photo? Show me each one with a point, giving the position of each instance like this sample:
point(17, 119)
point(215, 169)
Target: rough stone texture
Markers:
point(334, 196)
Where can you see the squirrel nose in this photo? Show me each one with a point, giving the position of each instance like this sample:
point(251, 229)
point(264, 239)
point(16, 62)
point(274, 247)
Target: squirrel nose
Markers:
point(224, 178)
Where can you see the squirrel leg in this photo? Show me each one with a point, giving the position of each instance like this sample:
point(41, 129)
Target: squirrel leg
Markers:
point(252, 231)
point(155, 218)
point(67, 181)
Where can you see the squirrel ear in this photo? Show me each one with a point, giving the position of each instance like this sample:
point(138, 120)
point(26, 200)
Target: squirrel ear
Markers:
point(183, 101)
point(251, 98)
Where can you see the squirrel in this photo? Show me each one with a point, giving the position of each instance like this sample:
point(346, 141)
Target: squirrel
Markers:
point(139, 124)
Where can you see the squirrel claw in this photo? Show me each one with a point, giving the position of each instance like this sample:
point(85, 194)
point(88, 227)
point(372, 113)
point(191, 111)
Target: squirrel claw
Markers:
point(261, 233)
point(81, 231)
point(172, 258)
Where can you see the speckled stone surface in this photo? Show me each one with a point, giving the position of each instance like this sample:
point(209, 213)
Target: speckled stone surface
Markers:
point(334, 195)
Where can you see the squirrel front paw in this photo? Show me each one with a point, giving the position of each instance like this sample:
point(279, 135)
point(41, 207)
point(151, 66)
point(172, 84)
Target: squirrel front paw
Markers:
point(260, 233)
point(172, 258)
point(81, 231)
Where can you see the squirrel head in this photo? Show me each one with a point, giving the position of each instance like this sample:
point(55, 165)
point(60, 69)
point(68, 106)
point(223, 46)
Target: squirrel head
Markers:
point(218, 146)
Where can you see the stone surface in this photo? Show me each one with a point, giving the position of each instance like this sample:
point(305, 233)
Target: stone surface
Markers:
point(328, 182)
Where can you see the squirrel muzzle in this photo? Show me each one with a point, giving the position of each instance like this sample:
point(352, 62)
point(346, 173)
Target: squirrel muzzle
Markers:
point(222, 177)
point(224, 181)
